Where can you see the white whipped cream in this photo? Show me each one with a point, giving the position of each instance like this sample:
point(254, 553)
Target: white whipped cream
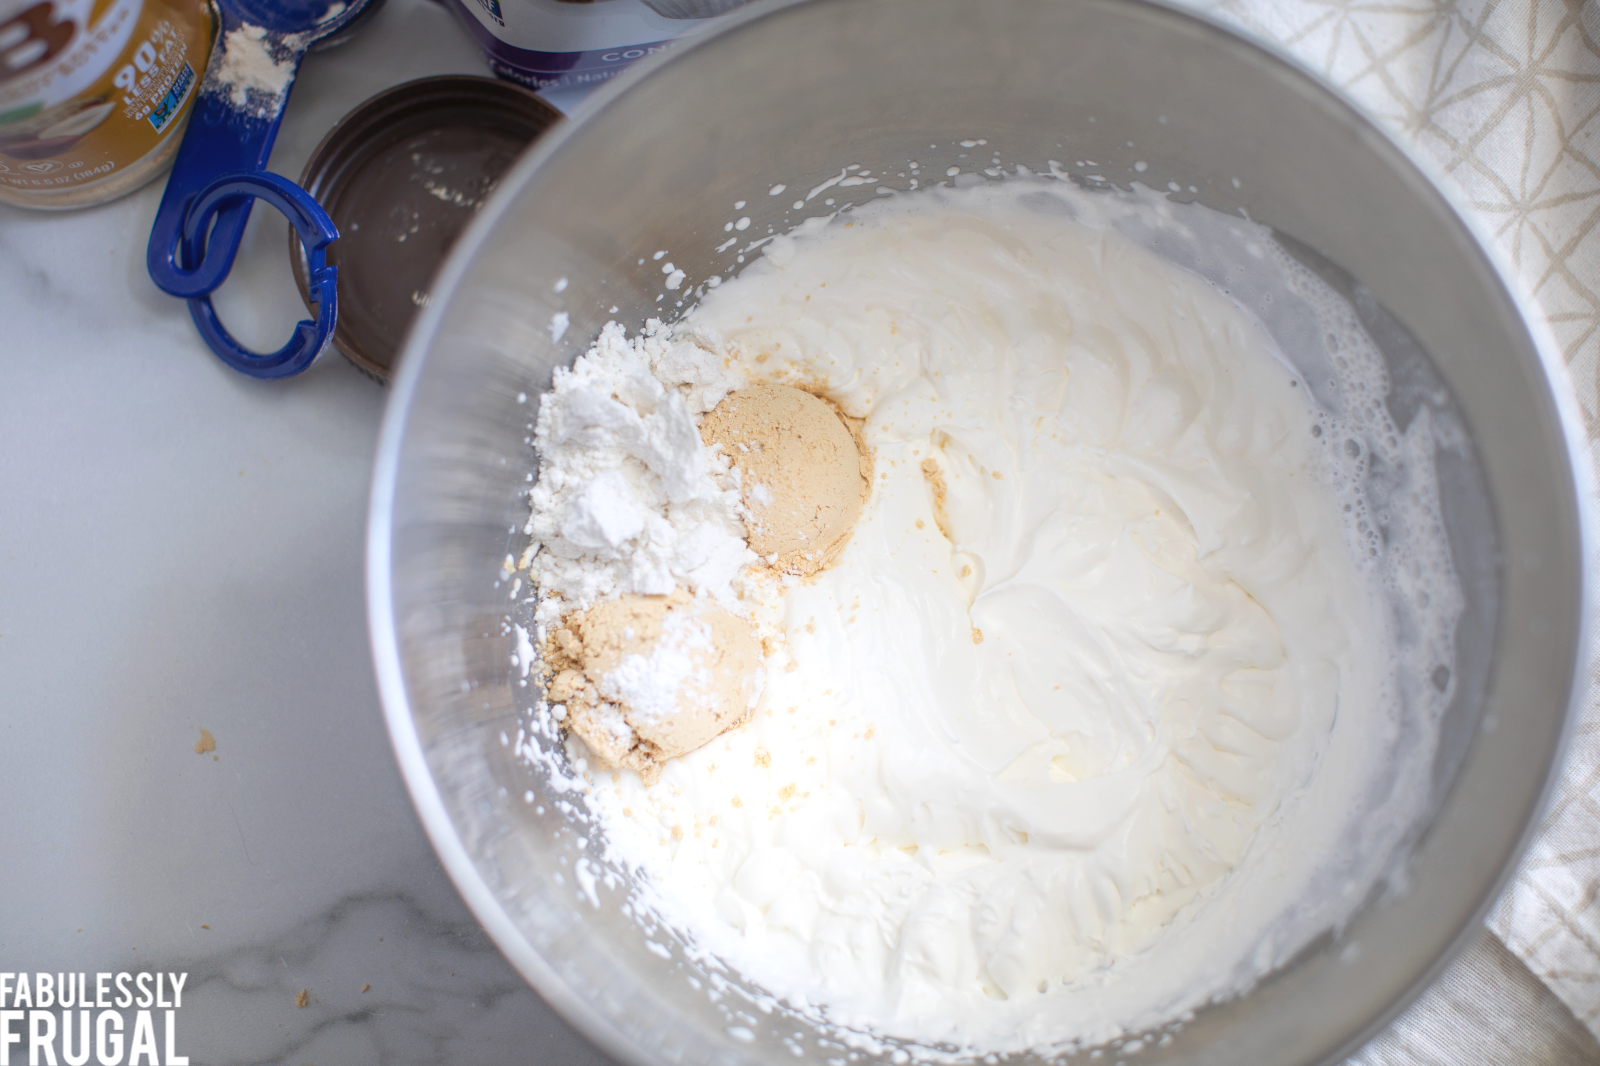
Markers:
point(1111, 733)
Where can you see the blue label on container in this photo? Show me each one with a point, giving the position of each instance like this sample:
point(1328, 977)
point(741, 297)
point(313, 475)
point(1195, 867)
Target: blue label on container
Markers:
point(551, 70)
point(493, 8)
point(173, 101)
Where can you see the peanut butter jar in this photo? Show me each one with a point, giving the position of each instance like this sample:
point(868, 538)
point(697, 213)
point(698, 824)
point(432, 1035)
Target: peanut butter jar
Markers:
point(94, 94)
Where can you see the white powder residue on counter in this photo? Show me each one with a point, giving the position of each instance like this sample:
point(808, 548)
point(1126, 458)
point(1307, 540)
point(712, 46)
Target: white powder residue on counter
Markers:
point(1112, 702)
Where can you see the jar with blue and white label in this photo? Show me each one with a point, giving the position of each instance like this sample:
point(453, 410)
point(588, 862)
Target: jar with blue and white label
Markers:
point(94, 94)
point(573, 44)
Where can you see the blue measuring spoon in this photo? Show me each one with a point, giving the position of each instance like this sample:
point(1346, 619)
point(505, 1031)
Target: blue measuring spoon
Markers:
point(220, 171)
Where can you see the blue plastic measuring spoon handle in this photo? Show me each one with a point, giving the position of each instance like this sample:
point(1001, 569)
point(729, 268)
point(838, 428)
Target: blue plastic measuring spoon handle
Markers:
point(316, 232)
point(224, 137)
point(219, 141)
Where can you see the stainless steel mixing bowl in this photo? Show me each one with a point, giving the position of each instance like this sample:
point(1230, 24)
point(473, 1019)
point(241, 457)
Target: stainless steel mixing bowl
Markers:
point(793, 94)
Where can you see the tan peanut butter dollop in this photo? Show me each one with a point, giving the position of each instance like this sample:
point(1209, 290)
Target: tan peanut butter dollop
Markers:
point(803, 479)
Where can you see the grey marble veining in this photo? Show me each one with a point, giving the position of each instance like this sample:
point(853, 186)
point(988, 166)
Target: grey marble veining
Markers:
point(437, 991)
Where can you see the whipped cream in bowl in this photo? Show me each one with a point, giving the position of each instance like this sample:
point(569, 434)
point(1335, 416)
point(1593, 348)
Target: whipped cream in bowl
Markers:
point(1092, 720)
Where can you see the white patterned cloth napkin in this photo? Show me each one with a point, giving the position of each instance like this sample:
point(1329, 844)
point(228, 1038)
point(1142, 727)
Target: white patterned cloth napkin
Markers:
point(1505, 97)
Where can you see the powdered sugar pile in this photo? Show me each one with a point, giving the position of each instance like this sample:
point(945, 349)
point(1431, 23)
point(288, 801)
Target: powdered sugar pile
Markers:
point(628, 500)
point(252, 77)
point(256, 66)
point(657, 686)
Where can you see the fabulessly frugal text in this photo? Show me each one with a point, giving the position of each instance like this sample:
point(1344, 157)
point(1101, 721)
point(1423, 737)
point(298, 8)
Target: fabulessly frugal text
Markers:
point(70, 1018)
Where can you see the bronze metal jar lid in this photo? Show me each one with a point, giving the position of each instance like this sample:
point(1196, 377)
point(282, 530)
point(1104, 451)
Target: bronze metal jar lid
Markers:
point(401, 176)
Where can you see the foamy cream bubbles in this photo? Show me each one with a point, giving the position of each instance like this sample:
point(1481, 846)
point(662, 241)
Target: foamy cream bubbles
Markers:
point(1113, 700)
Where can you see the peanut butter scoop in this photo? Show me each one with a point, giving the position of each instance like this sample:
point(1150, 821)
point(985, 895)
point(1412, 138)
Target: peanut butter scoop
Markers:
point(648, 678)
point(803, 482)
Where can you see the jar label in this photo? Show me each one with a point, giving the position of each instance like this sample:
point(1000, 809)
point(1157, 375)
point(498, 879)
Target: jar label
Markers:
point(90, 87)
point(563, 46)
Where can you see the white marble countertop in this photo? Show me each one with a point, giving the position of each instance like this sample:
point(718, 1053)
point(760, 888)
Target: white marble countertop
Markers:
point(181, 549)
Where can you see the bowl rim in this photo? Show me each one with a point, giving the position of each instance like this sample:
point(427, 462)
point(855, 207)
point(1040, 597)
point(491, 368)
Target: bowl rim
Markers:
point(398, 716)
